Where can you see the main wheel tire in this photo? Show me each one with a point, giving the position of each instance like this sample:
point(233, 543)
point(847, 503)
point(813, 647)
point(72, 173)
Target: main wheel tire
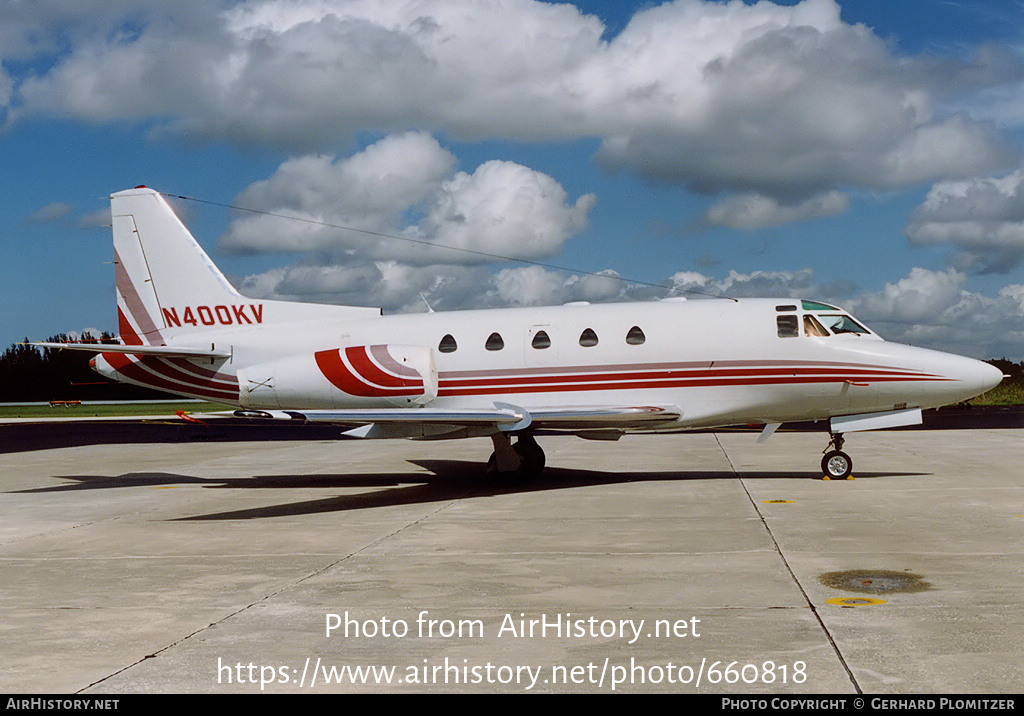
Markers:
point(531, 464)
point(532, 456)
point(836, 465)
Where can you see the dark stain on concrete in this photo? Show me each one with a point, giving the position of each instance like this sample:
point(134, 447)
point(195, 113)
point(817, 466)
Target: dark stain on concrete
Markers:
point(875, 581)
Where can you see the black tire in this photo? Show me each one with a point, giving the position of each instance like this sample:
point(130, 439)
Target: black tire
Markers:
point(532, 456)
point(836, 465)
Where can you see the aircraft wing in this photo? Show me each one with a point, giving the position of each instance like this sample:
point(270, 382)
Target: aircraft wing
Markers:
point(404, 422)
point(163, 351)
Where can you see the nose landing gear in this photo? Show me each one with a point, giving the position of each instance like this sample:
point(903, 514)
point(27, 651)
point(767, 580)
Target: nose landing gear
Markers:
point(836, 464)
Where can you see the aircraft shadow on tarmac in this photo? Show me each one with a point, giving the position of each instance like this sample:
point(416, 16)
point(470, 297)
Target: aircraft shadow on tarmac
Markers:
point(448, 480)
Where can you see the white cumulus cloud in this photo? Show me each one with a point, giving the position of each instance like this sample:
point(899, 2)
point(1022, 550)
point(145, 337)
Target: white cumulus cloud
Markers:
point(983, 216)
point(934, 309)
point(405, 186)
point(754, 211)
point(786, 102)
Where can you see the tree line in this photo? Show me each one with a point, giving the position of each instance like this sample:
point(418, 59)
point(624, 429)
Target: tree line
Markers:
point(31, 374)
point(1014, 370)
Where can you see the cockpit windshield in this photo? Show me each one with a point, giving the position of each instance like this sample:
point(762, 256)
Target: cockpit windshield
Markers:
point(817, 320)
point(840, 323)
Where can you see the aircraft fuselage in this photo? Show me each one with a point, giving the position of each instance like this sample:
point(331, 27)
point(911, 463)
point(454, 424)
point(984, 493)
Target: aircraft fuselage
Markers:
point(719, 361)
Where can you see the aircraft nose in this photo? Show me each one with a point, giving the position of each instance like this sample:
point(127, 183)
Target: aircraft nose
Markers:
point(975, 376)
point(990, 376)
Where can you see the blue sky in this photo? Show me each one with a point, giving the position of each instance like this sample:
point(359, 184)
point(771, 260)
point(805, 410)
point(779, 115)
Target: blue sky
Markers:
point(865, 152)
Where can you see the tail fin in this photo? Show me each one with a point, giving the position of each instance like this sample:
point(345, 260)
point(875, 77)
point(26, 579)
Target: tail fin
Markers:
point(161, 270)
point(168, 288)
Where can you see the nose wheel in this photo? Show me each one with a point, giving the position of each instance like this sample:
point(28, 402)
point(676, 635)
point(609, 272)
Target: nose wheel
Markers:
point(836, 464)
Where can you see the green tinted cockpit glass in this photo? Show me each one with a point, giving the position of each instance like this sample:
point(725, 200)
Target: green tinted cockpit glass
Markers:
point(815, 306)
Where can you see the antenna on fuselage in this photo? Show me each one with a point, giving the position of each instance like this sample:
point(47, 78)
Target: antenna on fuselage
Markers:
point(433, 244)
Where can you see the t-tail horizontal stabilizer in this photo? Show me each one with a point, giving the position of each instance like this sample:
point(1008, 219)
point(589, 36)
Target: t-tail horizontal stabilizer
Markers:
point(163, 351)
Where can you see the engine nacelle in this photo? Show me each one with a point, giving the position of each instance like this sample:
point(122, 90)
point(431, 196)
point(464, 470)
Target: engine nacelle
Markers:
point(352, 377)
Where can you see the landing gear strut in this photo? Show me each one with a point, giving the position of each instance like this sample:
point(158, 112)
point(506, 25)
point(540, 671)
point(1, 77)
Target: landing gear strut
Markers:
point(522, 460)
point(836, 464)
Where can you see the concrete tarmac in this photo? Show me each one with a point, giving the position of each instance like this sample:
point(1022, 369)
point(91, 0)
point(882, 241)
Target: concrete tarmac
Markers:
point(693, 563)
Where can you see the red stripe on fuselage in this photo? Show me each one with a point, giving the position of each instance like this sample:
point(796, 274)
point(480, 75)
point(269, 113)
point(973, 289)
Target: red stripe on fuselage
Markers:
point(837, 374)
point(627, 384)
point(668, 375)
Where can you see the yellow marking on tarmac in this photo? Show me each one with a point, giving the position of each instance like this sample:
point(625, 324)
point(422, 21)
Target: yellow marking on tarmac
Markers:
point(855, 601)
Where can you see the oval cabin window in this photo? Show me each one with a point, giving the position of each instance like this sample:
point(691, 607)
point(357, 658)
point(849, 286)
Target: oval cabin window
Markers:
point(636, 336)
point(588, 338)
point(541, 340)
point(447, 344)
point(494, 342)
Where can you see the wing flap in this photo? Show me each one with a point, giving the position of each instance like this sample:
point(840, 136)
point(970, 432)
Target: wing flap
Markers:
point(365, 416)
point(502, 416)
point(574, 417)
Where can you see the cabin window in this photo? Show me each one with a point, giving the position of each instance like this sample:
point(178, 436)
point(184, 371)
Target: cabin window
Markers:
point(494, 342)
point(635, 336)
point(788, 326)
point(541, 340)
point(588, 338)
point(785, 308)
point(447, 344)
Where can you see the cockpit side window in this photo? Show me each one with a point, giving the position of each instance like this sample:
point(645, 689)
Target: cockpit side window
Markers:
point(813, 328)
point(787, 326)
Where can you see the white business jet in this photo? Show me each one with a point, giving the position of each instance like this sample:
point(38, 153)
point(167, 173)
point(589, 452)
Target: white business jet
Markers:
point(596, 371)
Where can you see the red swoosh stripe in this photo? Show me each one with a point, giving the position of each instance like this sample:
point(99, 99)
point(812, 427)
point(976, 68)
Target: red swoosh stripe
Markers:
point(159, 373)
point(356, 374)
point(129, 296)
point(385, 360)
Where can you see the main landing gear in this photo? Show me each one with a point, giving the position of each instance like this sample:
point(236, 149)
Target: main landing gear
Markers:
point(836, 465)
point(519, 461)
